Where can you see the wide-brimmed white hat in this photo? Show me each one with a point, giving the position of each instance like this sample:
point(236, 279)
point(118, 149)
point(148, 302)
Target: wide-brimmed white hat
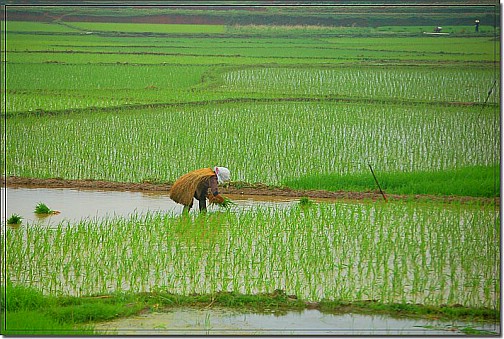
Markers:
point(223, 174)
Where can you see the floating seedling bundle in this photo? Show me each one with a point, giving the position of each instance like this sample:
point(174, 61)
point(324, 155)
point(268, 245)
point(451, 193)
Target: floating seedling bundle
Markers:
point(42, 209)
point(15, 219)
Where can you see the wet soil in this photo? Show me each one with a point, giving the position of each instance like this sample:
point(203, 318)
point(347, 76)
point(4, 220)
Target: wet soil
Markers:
point(236, 188)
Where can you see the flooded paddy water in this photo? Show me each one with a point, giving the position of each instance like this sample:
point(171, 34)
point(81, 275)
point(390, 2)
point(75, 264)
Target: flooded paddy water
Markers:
point(79, 204)
point(222, 321)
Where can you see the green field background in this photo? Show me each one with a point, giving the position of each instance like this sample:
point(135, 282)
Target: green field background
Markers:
point(137, 102)
point(281, 103)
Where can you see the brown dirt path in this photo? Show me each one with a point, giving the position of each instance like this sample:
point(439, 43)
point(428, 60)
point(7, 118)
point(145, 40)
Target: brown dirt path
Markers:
point(235, 189)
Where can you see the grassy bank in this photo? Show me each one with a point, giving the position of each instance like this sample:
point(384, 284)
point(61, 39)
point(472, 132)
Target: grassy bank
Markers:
point(26, 311)
point(474, 181)
point(29, 312)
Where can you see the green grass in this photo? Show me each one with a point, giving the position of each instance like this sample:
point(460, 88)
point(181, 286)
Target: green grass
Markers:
point(26, 311)
point(415, 310)
point(48, 315)
point(475, 181)
point(36, 323)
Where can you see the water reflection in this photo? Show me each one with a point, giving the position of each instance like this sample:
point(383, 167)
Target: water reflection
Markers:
point(221, 321)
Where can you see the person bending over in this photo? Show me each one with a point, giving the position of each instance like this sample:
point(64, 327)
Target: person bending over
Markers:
point(196, 184)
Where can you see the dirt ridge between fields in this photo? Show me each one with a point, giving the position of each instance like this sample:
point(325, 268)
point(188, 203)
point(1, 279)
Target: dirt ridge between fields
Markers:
point(236, 189)
point(154, 105)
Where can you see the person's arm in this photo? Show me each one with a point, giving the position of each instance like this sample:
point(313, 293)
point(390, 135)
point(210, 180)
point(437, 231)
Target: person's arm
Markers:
point(214, 188)
point(214, 185)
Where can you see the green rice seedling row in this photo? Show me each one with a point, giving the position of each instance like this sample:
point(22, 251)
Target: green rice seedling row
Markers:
point(262, 142)
point(397, 252)
point(53, 87)
point(84, 49)
point(473, 181)
point(54, 77)
point(376, 82)
point(426, 84)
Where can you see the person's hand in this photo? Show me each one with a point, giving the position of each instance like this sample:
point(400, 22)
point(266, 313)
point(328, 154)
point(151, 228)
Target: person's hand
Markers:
point(218, 199)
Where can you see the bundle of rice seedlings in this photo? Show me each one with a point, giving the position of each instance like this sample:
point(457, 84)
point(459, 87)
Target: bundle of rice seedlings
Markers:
point(15, 219)
point(183, 189)
point(305, 201)
point(42, 208)
point(227, 203)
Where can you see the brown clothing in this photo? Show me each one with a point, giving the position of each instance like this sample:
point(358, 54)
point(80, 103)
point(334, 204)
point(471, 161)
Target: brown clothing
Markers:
point(202, 188)
point(202, 191)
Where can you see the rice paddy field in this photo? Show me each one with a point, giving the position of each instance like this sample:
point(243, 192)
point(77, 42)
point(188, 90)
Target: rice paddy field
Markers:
point(279, 106)
point(398, 253)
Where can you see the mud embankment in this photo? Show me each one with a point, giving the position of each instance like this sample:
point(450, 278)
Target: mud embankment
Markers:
point(236, 188)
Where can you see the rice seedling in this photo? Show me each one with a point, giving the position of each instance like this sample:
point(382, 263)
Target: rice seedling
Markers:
point(14, 219)
point(227, 203)
point(475, 181)
point(378, 83)
point(305, 201)
point(82, 86)
point(262, 147)
point(42, 209)
point(67, 71)
point(397, 252)
point(93, 71)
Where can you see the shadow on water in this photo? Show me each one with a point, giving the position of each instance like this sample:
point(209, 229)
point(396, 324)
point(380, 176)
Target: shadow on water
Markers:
point(222, 321)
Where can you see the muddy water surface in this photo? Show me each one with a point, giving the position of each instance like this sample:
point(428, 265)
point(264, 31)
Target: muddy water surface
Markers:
point(76, 205)
point(221, 321)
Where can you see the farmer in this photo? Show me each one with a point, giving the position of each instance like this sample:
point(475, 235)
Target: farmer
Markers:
point(195, 184)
